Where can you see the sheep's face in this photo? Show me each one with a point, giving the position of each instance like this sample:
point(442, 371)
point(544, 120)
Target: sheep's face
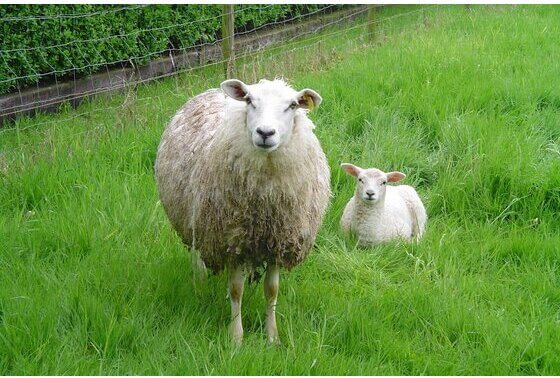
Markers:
point(372, 183)
point(271, 109)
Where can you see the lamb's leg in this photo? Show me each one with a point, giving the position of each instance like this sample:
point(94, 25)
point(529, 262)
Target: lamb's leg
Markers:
point(271, 293)
point(236, 282)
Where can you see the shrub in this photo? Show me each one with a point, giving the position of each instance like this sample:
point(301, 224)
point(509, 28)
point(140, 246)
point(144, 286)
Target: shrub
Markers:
point(38, 42)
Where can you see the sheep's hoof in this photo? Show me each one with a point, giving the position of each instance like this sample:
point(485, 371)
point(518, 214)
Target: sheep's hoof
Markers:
point(273, 343)
point(273, 340)
point(237, 342)
point(236, 336)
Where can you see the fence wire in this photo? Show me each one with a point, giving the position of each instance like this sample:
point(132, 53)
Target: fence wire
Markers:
point(332, 23)
point(71, 15)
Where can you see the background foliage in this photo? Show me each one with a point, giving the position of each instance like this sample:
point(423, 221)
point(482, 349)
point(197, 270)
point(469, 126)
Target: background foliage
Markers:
point(84, 45)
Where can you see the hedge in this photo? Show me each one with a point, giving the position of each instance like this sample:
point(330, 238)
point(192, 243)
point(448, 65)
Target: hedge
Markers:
point(75, 40)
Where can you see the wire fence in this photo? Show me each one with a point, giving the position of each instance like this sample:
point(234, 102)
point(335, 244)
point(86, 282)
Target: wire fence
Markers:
point(69, 16)
point(273, 42)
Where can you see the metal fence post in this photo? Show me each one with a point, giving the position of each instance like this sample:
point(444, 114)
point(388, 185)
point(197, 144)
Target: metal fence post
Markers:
point(228, 51)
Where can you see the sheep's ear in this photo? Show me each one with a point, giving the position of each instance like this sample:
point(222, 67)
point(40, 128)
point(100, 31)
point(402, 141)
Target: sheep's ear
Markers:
point(351, 169)
point(235, 89)
point(395, 176)
point(308, 99)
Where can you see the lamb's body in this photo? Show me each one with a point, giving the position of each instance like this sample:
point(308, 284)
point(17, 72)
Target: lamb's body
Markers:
point(401, 216)
point(236, 205)
point(379, 212)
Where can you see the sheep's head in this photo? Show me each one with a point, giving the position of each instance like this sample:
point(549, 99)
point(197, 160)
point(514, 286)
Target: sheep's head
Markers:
point(372, 182)
point(271, 109)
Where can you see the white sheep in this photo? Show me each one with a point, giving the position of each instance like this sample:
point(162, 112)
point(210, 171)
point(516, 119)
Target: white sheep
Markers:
point(378, 212)
point(244, 181)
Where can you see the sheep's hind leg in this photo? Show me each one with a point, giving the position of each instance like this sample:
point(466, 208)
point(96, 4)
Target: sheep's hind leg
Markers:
point(271, 283)
point(236, 283)
point(198, 266)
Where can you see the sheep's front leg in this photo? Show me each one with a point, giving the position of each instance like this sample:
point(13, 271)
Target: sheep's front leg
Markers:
point(236, 282)
point(271, 293)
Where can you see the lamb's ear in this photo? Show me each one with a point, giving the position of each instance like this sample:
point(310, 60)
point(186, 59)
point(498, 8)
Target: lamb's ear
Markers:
point(395, 176)
point(351, 169)
point(308, 99)
point(235, 89)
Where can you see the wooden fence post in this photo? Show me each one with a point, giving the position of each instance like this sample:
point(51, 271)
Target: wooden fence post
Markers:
point(372, 9)
point(228, 51)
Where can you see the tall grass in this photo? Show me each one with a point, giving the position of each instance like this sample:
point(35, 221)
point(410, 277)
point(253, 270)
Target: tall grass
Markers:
point(467, 103)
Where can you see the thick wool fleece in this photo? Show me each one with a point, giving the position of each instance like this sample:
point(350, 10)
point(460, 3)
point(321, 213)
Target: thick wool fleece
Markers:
point(235, 204)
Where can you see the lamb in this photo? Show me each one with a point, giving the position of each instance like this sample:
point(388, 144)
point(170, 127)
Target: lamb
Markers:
point(378, 213)
point(245, 183)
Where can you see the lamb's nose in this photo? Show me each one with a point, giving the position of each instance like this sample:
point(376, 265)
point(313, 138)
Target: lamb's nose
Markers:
point(265, 133)
point(370, 193)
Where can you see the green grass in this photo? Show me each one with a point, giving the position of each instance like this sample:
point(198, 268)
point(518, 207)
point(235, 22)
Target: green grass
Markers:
point(467, 103)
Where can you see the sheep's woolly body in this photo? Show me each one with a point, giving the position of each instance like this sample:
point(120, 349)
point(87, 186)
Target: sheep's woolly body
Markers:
point(233, 203)
point(400, 215)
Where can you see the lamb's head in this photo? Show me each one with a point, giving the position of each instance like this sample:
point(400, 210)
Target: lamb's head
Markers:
point(271, 109)
point(372, 182)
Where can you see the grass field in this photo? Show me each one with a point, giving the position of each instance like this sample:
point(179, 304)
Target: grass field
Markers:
point(467, 103)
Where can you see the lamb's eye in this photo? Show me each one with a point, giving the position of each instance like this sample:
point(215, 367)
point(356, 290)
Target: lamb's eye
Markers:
point(292, 105)
point(384, 182)
point(360, 180)
point(249, 101)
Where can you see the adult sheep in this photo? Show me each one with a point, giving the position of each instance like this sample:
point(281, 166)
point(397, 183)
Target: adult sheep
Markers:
point(244, 182)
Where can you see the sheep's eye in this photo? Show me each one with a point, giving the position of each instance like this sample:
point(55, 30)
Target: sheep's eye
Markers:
point(384, 182)
point(249, 101)
point(292, 105)
point(360, 180)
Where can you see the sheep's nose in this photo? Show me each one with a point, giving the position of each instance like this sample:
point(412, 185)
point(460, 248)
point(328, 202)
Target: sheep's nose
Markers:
point(370, 193)
point(265, 133)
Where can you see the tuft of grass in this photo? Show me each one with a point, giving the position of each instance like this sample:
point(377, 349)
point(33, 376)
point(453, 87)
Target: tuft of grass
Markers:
point(466, 102)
